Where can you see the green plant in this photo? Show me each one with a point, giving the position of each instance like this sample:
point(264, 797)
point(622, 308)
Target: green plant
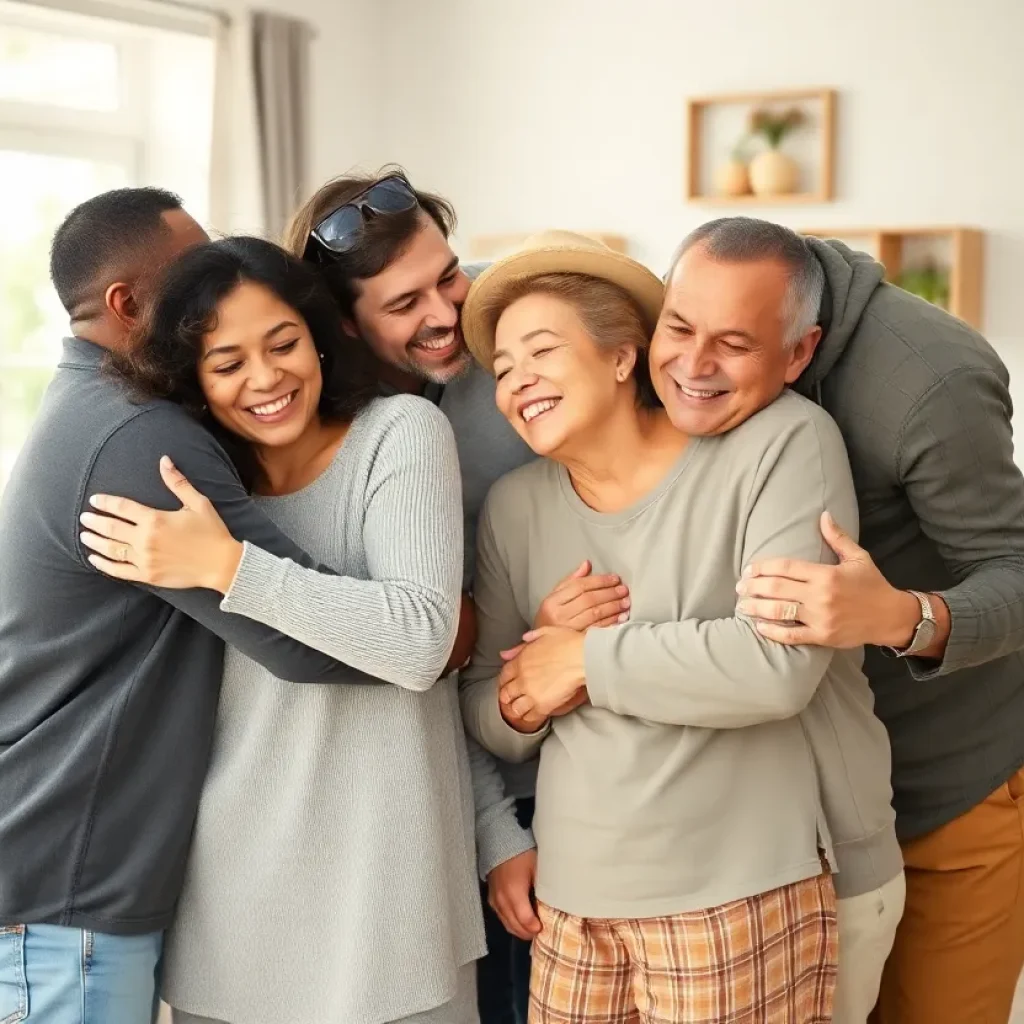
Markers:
point(772, 127)
point(929, 282)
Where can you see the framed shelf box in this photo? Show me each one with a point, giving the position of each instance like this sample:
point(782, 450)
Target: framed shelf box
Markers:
point(956, 253)
point(715, 124)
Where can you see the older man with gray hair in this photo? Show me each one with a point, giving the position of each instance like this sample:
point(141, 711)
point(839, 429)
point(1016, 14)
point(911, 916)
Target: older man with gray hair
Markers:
point(936, 592)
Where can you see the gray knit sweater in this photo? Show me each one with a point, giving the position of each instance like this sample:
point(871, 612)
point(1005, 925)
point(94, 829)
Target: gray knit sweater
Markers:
point(332, 878)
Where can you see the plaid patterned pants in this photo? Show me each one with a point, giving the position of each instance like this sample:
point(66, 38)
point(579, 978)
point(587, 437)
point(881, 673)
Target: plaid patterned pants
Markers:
point(769, 959)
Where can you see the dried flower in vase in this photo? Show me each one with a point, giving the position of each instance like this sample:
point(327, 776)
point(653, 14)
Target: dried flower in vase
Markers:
point(775, 127)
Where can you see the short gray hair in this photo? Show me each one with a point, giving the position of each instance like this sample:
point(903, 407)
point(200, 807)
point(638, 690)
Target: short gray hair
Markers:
point(745, 239)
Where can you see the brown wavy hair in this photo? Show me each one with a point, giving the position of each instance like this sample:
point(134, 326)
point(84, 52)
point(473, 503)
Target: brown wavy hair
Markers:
point(385, 237)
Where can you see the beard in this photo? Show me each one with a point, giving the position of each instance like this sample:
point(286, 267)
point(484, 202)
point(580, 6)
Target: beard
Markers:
point(456, 366)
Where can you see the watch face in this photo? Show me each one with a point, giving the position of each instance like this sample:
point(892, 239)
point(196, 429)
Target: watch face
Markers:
point(922, 637)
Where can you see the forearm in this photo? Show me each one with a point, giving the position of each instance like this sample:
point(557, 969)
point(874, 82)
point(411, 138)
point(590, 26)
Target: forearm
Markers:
point(398, 631)
point(982, 619)
point(717, 674)
point(955, 463)
point(899, 617)
point(127, 464)
point(465, 637)
point(499, 836)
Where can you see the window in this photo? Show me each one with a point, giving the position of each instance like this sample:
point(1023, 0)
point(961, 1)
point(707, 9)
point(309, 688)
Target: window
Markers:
point(38, 189)
point(48, 67)
point(86, 105)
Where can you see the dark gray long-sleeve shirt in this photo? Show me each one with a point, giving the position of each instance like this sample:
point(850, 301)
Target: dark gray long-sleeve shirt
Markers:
point(924, 407)
point(108, 691)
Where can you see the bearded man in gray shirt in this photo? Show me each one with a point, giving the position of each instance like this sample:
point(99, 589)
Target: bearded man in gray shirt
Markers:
point(383, 248)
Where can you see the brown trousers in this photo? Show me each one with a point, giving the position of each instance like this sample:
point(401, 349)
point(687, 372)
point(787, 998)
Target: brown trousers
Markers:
point(960, 946)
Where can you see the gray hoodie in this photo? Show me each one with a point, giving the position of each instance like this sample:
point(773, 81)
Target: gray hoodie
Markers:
point(923, 405)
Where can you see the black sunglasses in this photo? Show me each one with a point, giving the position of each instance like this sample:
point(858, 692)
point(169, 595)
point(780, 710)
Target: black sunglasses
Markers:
point(339, 231)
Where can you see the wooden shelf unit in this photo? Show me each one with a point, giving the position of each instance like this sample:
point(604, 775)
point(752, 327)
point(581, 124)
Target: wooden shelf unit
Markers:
point(965, 261)
point(695, 109)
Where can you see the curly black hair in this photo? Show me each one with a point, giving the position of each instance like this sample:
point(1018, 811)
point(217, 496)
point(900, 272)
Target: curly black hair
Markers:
point(161, 360)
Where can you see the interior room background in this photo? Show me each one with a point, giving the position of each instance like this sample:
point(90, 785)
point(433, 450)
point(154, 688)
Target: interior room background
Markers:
point(531, 114)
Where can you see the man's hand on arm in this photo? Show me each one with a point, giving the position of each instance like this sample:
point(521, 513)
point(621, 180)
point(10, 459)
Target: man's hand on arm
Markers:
point(128, 465)
point(842, 606)
point(180, 550)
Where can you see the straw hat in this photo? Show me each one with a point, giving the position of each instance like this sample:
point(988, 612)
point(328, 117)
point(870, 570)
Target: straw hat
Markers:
point(555, 252)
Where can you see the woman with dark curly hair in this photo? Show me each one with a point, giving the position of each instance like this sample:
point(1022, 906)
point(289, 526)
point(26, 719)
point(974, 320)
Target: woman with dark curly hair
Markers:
point(332, 873)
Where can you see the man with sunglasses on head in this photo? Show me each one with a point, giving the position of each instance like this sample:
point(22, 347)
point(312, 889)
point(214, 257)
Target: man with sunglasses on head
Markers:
point(384, 251)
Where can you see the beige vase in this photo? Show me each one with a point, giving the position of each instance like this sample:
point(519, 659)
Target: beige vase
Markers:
point(772, 173)
point(731, 179)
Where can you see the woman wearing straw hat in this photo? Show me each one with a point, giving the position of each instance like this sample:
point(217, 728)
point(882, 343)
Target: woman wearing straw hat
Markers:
point(678, 822)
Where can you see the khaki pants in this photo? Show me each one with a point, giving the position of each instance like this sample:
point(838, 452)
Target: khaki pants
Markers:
point(960, 946)
point(867, 930)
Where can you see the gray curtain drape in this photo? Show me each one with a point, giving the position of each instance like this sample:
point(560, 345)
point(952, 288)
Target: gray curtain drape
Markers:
point(281, 75)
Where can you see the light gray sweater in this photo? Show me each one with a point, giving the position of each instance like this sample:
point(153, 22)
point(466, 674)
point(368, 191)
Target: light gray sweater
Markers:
point(691, 779)
point(332, 878)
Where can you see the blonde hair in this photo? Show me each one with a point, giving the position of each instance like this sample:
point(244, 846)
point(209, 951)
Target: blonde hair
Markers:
point(609, 315)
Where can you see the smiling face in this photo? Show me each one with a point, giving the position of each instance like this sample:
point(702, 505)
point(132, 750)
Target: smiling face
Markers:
point(409, 313)
point(554, 382)
point(259, 369)
point(720, 352)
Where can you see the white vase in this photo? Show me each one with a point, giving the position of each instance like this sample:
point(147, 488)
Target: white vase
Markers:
point(772, 173)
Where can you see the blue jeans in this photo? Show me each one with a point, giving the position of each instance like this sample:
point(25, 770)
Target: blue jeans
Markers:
point(503, 976)
point(54, 975)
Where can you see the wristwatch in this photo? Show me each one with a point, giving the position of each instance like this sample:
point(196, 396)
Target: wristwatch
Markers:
point(924, 633)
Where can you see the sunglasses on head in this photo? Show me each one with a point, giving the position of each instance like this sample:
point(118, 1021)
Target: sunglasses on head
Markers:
point(339, 232)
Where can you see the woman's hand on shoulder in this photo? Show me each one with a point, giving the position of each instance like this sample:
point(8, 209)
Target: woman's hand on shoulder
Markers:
point(181, 550)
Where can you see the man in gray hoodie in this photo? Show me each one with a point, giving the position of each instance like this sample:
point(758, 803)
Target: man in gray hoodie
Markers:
point(936, 592)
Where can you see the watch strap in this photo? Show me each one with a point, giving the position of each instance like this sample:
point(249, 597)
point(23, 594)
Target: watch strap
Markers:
point(924, 632)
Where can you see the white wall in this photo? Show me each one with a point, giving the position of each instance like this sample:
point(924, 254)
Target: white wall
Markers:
point(569, 113)
point(348, 88)
point(346, 84)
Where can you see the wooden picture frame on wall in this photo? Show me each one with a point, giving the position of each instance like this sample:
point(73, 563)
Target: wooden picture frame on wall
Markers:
point(697, 108)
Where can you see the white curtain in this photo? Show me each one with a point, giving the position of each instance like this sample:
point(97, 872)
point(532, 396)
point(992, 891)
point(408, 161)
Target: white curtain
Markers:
point(236, 179)
point(280, 47)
